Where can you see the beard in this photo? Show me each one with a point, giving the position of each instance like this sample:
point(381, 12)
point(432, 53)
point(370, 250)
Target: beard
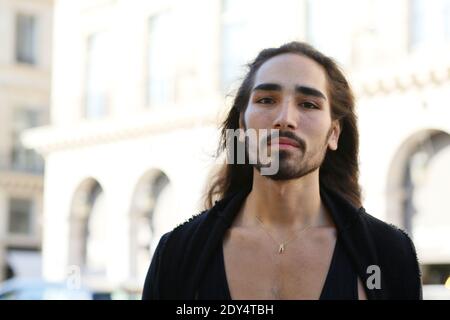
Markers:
point(294, 164)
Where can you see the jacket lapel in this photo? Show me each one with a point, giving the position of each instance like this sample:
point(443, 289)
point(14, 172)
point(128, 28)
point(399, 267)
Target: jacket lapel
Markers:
point(355, 236)
point(218, 221)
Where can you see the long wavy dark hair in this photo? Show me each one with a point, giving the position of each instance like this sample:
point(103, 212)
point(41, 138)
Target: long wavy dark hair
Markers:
point(339, 170)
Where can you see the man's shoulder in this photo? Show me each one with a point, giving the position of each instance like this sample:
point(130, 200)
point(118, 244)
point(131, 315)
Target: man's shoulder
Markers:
point(193, 223)
point(387, 236)
point(186, 229)
point(397, 257)
point(202, 222)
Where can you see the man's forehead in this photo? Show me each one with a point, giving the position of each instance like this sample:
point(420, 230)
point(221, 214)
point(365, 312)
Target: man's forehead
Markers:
point(290, 71)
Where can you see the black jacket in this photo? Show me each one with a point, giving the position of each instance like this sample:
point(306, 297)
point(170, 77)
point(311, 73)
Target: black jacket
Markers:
point(182, 254)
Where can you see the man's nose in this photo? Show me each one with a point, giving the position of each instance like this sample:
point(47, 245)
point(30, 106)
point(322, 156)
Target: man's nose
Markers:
point(286, 115)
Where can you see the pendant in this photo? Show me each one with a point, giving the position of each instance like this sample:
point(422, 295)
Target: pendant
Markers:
point(281, 249)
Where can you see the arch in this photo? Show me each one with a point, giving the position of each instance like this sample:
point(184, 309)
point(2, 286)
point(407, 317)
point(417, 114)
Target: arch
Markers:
point(88, 239)
point(152, 191)
point(418, 178)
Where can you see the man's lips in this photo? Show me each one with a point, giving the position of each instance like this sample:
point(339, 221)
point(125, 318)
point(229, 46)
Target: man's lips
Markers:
point(284, 142)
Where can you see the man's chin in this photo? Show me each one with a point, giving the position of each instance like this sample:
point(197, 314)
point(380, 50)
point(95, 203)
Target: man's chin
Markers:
point(286, 173)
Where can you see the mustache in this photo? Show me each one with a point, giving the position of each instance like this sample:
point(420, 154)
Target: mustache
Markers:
point(286, 134)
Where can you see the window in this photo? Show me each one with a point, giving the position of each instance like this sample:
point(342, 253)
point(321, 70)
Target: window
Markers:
point(20, 216)
point(98, 74)
point(161, 60)
point(24, 159)
point(430, 23)
point(245, 31)
point(26, 39)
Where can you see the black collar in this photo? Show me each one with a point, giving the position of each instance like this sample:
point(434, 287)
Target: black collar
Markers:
point(347, 218)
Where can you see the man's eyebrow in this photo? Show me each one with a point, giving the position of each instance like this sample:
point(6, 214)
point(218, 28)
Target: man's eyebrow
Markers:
point(308, 91)
point(299, 89)
point(267, 87)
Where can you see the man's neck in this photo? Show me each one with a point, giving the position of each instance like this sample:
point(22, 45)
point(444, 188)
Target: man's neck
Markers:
point(288, 204)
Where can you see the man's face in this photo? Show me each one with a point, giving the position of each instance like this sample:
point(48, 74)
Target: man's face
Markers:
point(290, 94)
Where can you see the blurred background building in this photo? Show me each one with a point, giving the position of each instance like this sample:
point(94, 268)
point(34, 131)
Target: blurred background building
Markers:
point(140, 87)
point(25, 72)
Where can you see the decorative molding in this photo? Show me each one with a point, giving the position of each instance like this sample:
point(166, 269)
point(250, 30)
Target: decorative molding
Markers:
point(86, 134)
point(400, 81)
point(21, 181)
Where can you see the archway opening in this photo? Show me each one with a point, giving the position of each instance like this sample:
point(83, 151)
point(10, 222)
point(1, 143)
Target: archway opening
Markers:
point(88, 230)
point(149, 209)
point(418, 199)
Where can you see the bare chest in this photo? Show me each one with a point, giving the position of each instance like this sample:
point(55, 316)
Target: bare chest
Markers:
point(256, 270)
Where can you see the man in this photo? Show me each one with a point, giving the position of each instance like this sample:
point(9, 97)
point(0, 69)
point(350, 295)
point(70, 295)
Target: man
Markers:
point(300, 233)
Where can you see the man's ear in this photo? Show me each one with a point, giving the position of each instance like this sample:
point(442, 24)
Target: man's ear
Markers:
point(334, 135)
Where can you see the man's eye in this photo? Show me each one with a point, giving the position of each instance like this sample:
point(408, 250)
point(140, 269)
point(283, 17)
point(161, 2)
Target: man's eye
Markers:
point(265, 100)
point(309, 105)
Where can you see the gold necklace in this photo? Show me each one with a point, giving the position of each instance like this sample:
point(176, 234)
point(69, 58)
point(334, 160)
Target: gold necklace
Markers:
point(282, 245)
